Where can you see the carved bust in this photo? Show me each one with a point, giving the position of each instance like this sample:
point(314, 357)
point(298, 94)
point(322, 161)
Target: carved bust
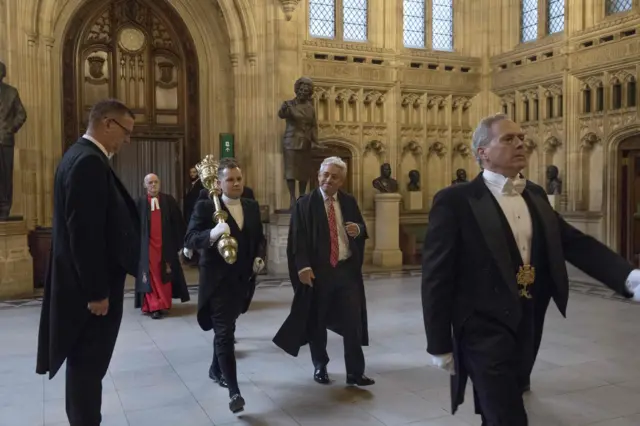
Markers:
point(554, 183)
point(461, 177)
point(385, 183)
point(414, 181)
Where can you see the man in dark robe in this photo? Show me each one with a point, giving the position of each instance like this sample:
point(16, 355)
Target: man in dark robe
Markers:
point(160, 275)
point(95, 244)
point(248, 193)
point(325, 251)
point(494, 256)
point(192, 194)
point(223, 286)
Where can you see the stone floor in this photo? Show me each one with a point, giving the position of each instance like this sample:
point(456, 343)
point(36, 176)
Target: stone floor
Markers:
point(587, 374)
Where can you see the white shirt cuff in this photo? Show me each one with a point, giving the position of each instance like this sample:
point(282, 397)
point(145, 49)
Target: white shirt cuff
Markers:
point(633, 281)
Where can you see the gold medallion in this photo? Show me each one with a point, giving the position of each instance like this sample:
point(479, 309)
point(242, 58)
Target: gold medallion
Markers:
point(526, 277)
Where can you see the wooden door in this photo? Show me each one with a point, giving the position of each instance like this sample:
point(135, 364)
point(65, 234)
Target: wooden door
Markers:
point(629, 202)
point(318, 157)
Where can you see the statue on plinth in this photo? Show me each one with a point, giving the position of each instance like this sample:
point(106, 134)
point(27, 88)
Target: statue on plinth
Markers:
point(554, 183)
point(12, 117)
point(385, 183)
point(414, 181)
point(300, 137)
point(461, 177)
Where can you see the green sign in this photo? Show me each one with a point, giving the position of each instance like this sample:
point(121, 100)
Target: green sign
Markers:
point(227, 147)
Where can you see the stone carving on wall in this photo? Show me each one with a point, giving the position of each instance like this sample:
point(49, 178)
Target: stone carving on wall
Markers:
point(619, 119)
point(541, 71)
point(439, 102)
point(609, 53)
point(438, 149)
point(588, 141)
point(288, 7)
point(412, 99)
point(413, 148)
point(530, 145)
point(468, 82)
point(462, 149)
point(354, 72)
point(552, 144)
point(376, 148)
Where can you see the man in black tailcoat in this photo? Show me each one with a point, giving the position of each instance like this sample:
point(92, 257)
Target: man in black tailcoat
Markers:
point(160, 276)
point(96, 242)
point(494, 256)
point(223, 287)
point(325, 251)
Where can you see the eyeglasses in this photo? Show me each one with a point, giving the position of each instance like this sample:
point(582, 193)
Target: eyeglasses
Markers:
point(126, 131)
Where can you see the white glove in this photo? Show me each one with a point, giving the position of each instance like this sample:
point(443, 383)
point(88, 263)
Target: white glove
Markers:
point(258, 265)
point(216, 233)
point(188, 253)
point(633, 284)
point(444, 362)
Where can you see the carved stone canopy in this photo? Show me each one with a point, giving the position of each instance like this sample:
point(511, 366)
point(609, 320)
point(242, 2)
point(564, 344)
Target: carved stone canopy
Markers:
point(288, 7)
point(589, 140)
point(438, 149)
point(552, 144)
point(413, 148)
point(462, 149)
point(375, 147)
point(530, 145)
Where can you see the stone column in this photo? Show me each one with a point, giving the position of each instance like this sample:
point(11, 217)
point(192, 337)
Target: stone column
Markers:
point(573, 159)
point(16, 265)
point(387, 231)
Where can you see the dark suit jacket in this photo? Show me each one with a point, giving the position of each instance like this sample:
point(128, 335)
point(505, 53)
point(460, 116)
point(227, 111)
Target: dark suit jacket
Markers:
point(12, 114)
point(95, 243)
point(214, 270)
point(308, 245)
point(467, 267)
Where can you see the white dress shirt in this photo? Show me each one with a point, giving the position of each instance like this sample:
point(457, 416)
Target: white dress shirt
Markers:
point(98, 144)
point(514, 208)
point(235, 208)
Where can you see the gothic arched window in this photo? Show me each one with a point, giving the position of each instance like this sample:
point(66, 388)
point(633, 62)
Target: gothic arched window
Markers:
point(339, 19)
point(529, 20)
point(555, 16)
point(420, 25)
point(616, 6)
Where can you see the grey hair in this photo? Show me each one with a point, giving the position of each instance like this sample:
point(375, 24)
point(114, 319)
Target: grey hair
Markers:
point(483, 134)
point(336, 161)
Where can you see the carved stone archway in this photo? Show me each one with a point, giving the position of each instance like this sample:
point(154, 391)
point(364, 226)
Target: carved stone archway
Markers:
point(140, 52)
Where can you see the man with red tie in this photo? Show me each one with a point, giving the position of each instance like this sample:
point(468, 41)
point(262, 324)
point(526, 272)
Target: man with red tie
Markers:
point(325, 253)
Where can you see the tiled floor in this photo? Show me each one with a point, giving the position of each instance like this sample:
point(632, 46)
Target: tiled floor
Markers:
point(588, 370)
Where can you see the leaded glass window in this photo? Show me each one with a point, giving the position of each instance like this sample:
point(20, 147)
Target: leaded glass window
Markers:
point(414, 23)
point(617, 6)
point(354, 20)
point(442, 25)
point(529, 21)
point(322, 18)
point(555, 16)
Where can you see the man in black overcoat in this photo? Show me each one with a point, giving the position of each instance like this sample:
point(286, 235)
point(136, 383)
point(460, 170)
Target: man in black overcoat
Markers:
point(192, 194)
point(494, 256)
point(223, 287)
point(325, 251)
point(95, 243)
point(160, 276)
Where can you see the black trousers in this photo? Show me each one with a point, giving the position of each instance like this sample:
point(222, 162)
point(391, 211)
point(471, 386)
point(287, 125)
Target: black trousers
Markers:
point(336, 295)
point(87, 364)
point(225, 305)
point(6, 179)
point(493, 356)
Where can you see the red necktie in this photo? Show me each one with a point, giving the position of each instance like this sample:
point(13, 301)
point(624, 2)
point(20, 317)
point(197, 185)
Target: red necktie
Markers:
point(333, 233)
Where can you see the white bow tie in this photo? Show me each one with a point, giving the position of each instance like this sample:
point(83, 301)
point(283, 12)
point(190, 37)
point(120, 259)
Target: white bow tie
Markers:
point(155, 204)
point(514, 186)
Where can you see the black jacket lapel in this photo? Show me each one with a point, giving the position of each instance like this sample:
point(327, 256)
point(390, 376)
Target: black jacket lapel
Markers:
point(484, 208)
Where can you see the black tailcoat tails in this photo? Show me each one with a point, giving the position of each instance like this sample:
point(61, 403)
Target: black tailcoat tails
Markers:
point(173, 231)
point(95, 243)
point(214, 271)
point(469, 278)
point(308, 245)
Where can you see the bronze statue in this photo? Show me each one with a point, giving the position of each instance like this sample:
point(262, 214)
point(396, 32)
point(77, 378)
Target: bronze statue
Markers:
point(12, 117)
point(461, 177)
point(414, 181)
point(300, 136)
point(554, 183)
point(385, 183)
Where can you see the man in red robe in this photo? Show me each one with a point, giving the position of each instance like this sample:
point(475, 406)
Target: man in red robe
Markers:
point(160, 277)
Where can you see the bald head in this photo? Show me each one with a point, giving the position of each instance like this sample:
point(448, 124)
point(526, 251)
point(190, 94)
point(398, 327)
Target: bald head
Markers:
point(152, 184)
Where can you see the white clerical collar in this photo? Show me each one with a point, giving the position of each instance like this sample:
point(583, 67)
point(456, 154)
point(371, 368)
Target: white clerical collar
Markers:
point(502, 183)
point(325, 197)
point(98, 144)
point(155, 203)
point(230, 201)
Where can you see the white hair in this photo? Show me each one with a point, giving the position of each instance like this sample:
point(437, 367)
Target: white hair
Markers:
point(483, 134)
point(336, 161)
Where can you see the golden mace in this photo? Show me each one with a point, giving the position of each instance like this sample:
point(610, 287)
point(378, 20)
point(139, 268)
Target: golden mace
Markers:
point(208, 173)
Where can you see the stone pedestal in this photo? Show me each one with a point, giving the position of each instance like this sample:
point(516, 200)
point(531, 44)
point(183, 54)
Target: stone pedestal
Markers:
point(413, 200)
point(278, 231)
point(16, 266)
point(555, 201)
point(387, 237)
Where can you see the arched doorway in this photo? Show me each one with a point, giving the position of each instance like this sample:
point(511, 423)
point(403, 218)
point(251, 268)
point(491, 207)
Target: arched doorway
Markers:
point(138, 51)
point(331, 149)
point(629, 199)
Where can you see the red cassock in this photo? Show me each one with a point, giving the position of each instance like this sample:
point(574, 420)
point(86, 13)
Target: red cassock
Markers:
point(161, 293)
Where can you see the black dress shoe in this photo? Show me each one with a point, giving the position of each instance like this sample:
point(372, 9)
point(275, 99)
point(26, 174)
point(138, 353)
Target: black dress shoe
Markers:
point(219, 379)
point(321, 376)
point(156, 315)
point(362, 380)
point(236, 405)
